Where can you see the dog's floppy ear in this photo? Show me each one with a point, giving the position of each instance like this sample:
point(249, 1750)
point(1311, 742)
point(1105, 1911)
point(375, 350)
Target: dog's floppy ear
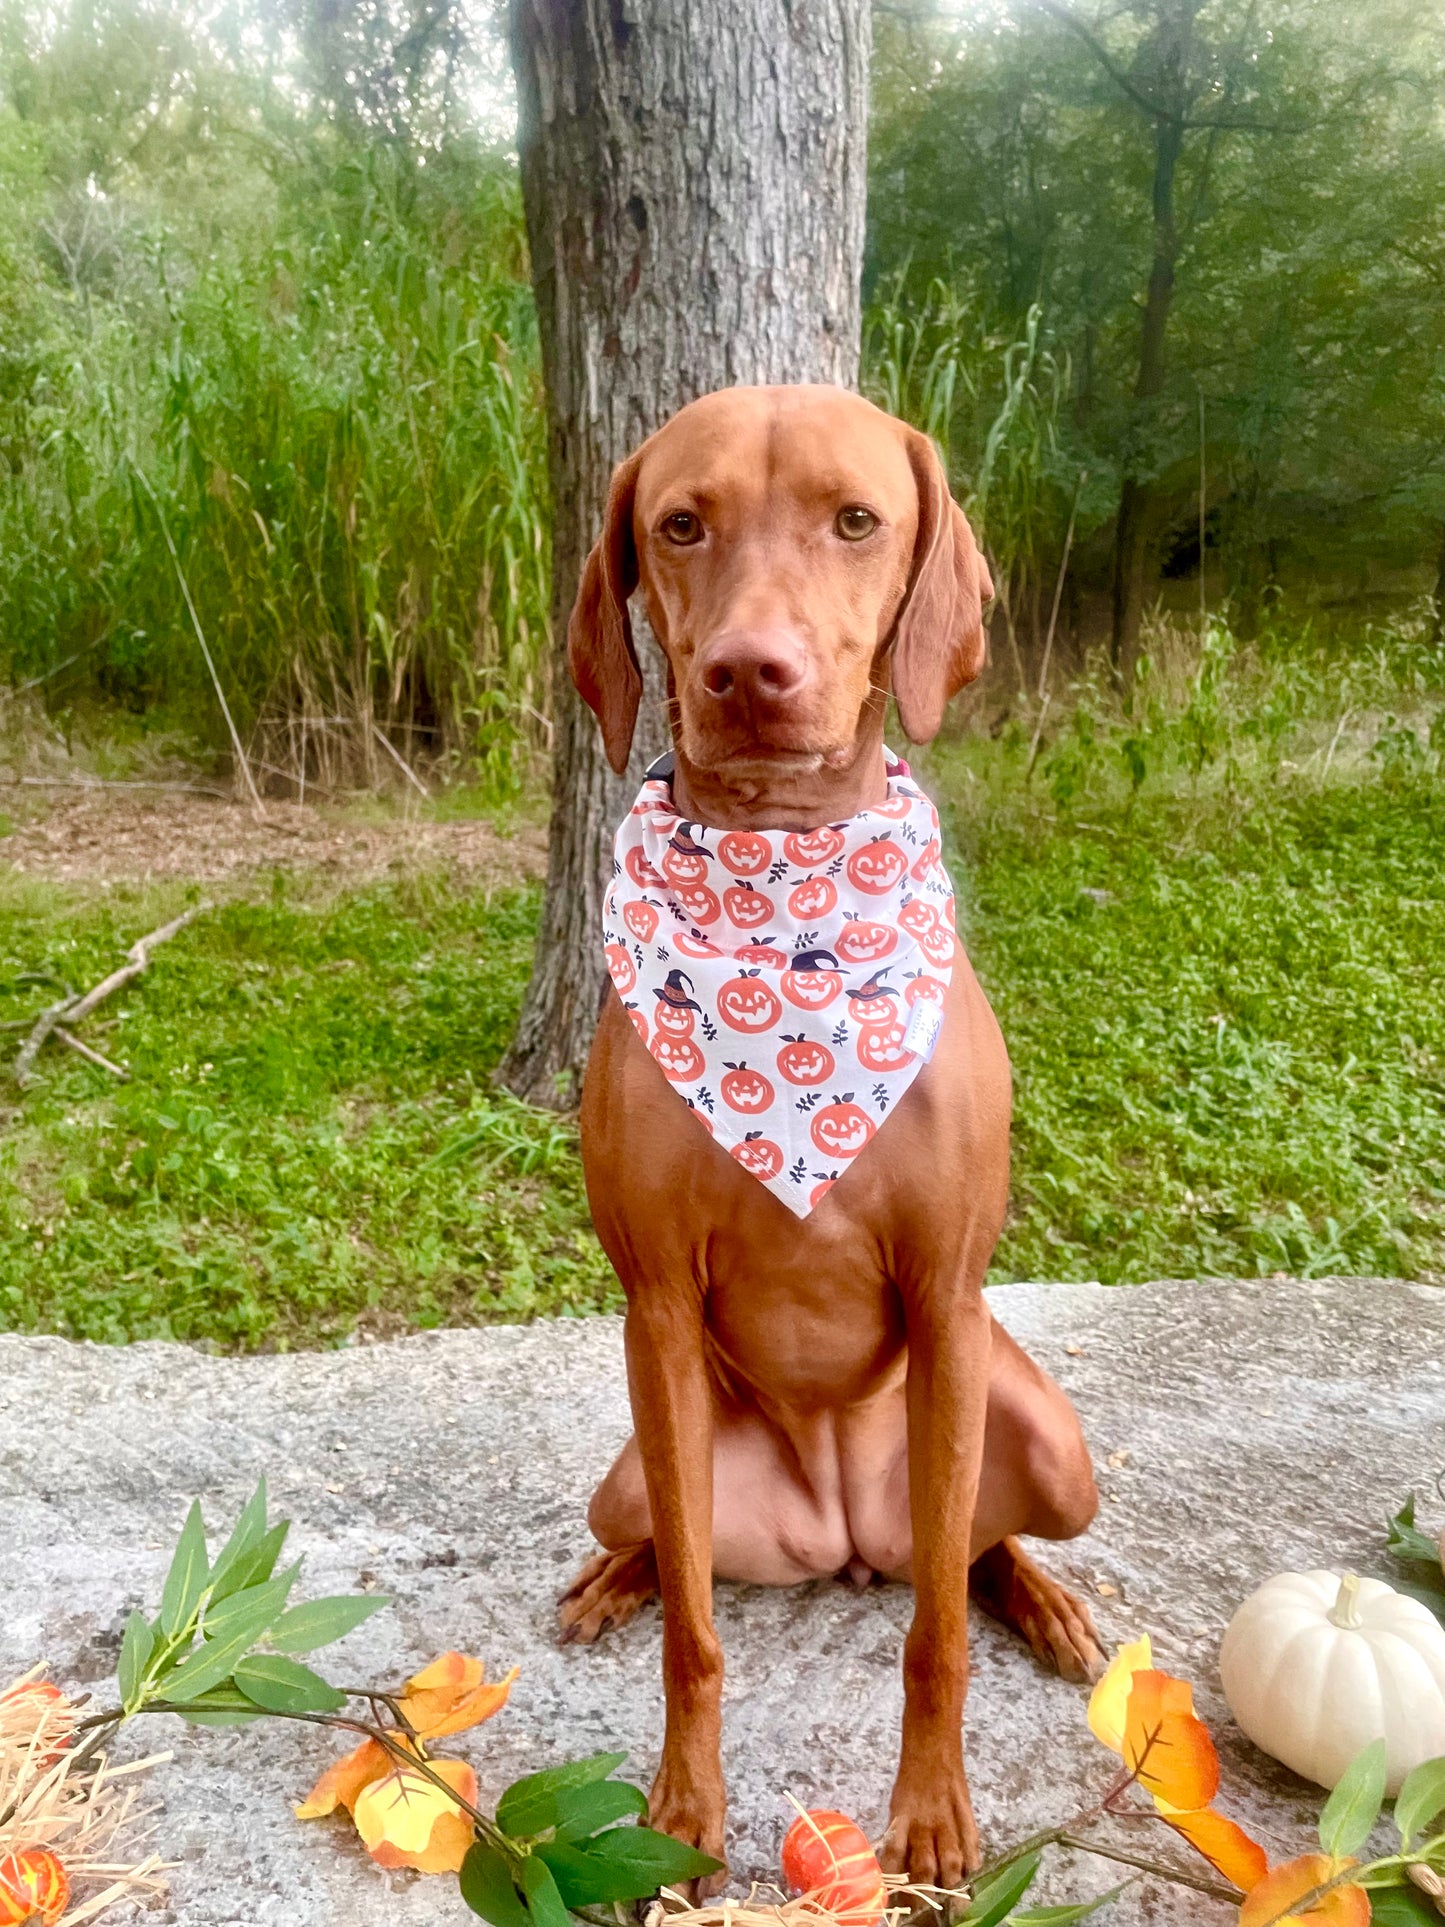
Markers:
point(600, 654)
point(938, 639)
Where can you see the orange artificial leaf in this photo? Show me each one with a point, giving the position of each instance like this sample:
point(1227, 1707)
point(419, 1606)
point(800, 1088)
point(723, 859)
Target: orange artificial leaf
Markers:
point(1226, 1846)
point(407, 1821)
point(1166, 1747)
point(1110, 1698)
point(343, 1784)
point(451, 1695)
point(1292, 1880)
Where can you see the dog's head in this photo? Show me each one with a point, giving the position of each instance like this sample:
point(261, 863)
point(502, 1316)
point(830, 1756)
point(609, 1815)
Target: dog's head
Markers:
point(798, 551)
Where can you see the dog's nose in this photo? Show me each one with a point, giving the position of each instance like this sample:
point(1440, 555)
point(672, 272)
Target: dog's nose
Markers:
point(762, 667)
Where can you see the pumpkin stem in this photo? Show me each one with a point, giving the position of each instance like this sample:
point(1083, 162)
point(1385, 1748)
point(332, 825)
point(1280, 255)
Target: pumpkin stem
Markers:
point(1344, 1612)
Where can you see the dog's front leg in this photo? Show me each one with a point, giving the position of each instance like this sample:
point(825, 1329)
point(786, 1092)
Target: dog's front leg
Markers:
point(672, 1414)
point(932, 1835)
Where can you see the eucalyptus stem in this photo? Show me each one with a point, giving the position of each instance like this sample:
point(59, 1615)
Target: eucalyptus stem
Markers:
point(1214, 1888)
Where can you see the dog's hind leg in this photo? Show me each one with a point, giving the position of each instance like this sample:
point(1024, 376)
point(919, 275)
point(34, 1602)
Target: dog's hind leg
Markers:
point(1057, 1627)
point(607, 1592)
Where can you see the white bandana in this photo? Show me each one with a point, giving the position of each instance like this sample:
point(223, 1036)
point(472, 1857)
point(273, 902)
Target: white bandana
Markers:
point(789, 984)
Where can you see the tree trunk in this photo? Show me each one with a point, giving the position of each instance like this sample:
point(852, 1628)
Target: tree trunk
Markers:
point(1134, 531)
point(1437, 627)
point(694, 182)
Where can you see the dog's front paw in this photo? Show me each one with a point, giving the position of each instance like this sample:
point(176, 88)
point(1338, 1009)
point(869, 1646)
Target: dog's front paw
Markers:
point(691, 1805)
point(932, 1837)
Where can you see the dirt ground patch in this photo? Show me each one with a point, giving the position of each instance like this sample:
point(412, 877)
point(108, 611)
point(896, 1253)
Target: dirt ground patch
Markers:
point(118, 835)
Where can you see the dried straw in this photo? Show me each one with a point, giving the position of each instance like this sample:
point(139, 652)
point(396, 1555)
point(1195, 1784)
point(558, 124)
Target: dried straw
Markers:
point(905, 1900)
point(79, 1815)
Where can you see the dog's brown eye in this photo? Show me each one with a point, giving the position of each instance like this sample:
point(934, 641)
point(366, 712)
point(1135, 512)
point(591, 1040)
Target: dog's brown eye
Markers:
point(854, 523)
point(682, 527)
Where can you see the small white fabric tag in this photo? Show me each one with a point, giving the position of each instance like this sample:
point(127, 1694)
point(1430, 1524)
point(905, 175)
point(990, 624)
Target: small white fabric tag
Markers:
point(924, 1024)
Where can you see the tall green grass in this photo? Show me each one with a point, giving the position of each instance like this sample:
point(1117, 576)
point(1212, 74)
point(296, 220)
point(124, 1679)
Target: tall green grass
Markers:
point(335, 414)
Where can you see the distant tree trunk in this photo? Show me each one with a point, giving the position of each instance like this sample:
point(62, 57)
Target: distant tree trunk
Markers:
point(1134, 531)
point(1437, 627)
point(694, 182)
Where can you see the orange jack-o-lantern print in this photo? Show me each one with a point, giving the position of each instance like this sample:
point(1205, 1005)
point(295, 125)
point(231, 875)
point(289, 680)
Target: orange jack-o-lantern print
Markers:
point(746, 1090)
point(678, 1058)
point(641, 919)
point(880, 1046)
point(842, 1128)
point(700, 903)
point(814, 897)
point(759, 1155)
point(744, 853)
point(620, 967)
point(863, 941)
point(806, 1061)
point(749, 1004)
point(876, 867)
point(641, 871)
point(812, 981)
point(749, 909)
point(811, 849)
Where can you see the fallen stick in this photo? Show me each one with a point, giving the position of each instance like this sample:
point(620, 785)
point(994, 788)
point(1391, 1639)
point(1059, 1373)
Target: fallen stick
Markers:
point(405, 767)
point(30, 1049)
point(137, 957)
point(71, 1010)
point(91, 1056)
point(117, 783)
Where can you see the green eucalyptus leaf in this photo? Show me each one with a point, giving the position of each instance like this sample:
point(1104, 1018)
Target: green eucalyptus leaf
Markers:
point(186, 1580)
point(136, 1646)
point(1401, 1907)
point(486, 1886)
point(544, 1904)
point(1406, 1540)
point(584, 1879)
point(255, 1564)
point(582, 1810)
point(529, 1805)
point(268, 1597)
point(248, 1529)
point(286, 1686)
point(214, 1662)
point(222, 1707)
point(666, 1859)
point(996, 1898)
point(1421, 1799)
point(319, 1622)
point(1353, 1808)
point(1066, 1916)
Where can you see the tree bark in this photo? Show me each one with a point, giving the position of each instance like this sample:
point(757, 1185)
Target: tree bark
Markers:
point(694, 179)
point(1134, 530)
point(1437, 627)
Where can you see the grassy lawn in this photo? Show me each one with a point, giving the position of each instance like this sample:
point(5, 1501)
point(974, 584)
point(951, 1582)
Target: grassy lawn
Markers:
point(1218, 971)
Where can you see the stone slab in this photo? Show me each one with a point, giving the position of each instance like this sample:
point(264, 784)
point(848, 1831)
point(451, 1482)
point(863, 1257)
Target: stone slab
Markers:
point(1266, 1425)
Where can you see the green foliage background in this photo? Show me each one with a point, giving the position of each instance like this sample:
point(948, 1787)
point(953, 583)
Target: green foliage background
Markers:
point(263, 286)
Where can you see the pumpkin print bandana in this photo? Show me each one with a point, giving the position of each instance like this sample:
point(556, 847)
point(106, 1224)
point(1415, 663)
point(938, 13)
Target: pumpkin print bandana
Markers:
point(789, 984)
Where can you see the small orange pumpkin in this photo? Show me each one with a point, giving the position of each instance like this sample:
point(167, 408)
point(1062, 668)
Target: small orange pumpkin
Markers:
point(32, 1881)
point(827, 1857)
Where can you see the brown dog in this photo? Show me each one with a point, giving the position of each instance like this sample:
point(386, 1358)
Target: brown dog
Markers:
point(827, 1393)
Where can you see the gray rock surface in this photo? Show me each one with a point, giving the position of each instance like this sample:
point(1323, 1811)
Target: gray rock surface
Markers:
point(1238, 1429)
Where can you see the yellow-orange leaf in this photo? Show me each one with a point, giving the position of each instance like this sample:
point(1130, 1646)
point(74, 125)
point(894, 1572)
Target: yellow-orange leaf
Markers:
point(452, 1694)
point(1111, 1696)
point(1345, 1907)
point(406, 1821)
point(1166, 1748)
point(1227, 1847)
point(342, 1785)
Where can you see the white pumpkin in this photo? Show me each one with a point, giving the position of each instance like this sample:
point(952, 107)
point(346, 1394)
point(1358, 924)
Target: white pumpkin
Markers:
point(1315, 1667)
